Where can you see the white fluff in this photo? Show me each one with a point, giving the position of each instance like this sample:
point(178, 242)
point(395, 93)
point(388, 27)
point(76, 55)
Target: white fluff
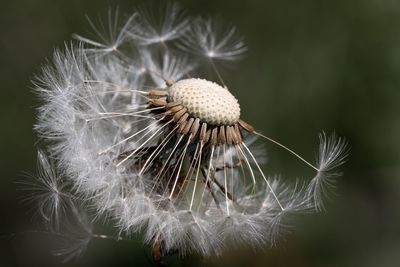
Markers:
point(92, 115)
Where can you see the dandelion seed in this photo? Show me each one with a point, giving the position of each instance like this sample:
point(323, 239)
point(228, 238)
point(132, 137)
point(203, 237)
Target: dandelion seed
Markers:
point(212, 39)
point(332, 153)
point(170, 23)
point(75, 235)
point(159, 151)
point(49, 192)
point(111, 38)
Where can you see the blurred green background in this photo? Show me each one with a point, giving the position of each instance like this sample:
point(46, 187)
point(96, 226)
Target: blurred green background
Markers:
point(312, 65)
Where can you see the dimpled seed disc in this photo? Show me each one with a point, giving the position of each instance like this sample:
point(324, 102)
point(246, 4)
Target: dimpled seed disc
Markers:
point(206, 100)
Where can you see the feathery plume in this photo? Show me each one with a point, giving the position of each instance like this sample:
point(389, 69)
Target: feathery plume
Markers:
point(159, 151)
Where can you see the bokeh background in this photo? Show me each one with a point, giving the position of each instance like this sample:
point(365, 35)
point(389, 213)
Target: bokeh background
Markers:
point(312, 65)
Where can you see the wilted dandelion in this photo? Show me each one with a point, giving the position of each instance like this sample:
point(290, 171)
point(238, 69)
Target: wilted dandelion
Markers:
point(147, 142)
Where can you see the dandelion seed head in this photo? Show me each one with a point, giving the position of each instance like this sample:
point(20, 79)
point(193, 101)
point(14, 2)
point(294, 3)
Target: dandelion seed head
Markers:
point(159, 152)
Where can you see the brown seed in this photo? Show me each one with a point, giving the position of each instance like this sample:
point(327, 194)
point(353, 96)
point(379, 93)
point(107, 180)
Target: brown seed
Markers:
point(179, 114)
point(182, 126)
point(203, 131)
point(237, 134)
point(183, 118)
point(207, 136)
point(169, 82)
point(159, 102)
point(222, 136)
point(189, 124)
point(214, 136)
point(157, 93)
point(172, 104)
point(195, 127)
point(229, 133)
point(246, 126)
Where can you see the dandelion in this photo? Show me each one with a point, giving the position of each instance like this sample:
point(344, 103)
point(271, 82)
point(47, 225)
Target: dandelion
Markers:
point(150, 145)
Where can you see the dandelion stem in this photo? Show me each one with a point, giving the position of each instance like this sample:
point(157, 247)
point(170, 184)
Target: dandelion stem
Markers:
point(287, 149)
point(262, 174)
point(197, 176)
point(156, 252)
point(226, 183)
point(180, 166)
point(217, 72)
point(99, 236)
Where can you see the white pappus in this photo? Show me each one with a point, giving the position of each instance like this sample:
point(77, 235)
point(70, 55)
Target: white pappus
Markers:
point(145, 141)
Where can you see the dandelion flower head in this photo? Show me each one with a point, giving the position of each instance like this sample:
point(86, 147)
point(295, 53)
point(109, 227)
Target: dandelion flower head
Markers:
point(139, 134)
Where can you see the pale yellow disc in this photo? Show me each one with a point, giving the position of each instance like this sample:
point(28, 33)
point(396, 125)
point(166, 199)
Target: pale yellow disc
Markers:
point(206, 100)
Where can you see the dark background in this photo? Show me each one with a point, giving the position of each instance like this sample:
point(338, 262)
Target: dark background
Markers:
point(312, 65)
